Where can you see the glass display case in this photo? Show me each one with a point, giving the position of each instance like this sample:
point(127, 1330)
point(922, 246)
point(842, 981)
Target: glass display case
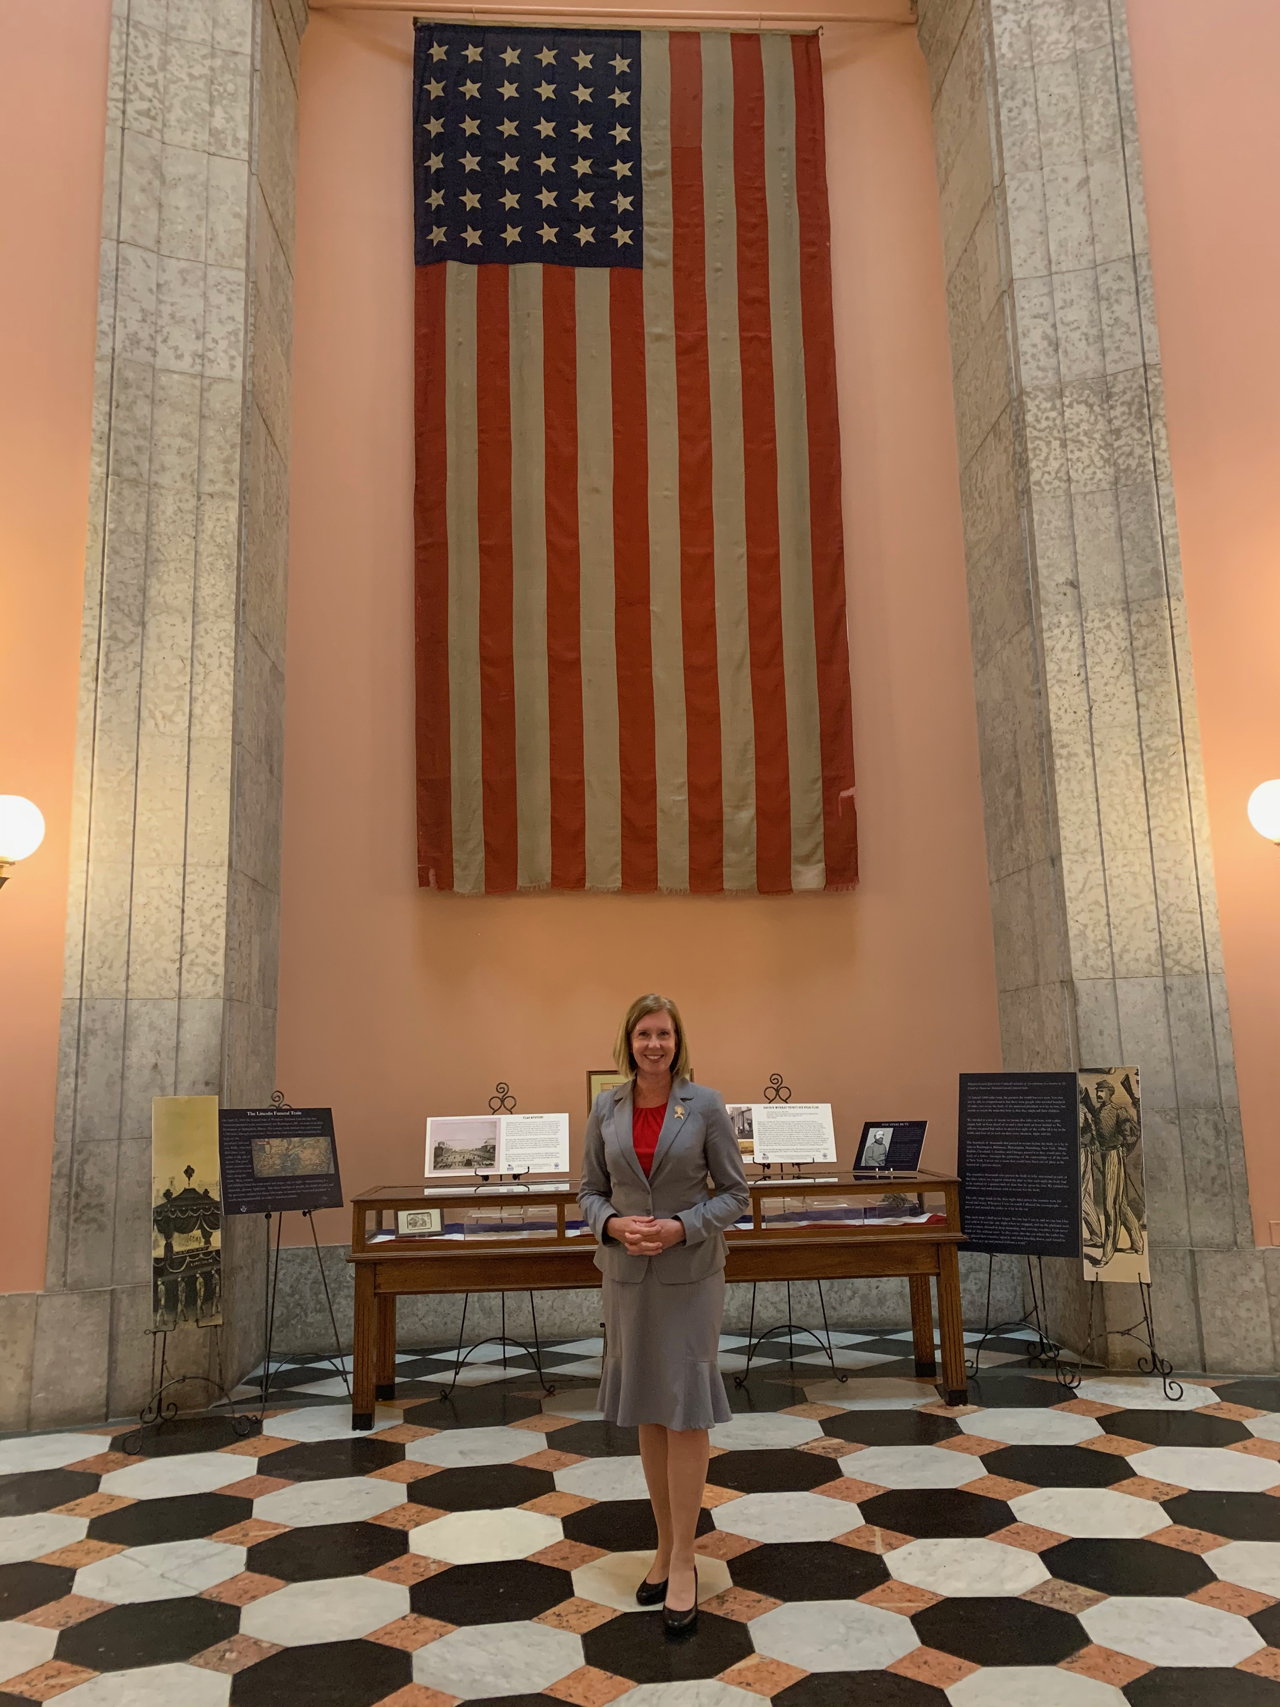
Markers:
point(873, 1204)
point(403, 1219)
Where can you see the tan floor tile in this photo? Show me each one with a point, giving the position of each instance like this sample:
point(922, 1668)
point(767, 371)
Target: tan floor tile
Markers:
point(1118, 1445)
point(716, 1451)
point(237, 1653)
point(93, 1505)
point(740, 1604)
point(899, 1597)
point(418, 1695)
point(849, 1488)
point(1027, 1537)
point(1230, 1597)
point(424, 1470)
point(589, 1687)
point(719, 1544)
point(42, 1683)
point(258, 1446)
point(1187, 1540)
point(1143, 1488)
point(928, 1665)
point(1087, 1408)
point(997, 1487)
point(408, 1569)
point(577, 1615)
point(251, 1530)
point(567, 1555)
point(713, 1496)
point(244, 1589)
point(869, 1538)
point(404, 1434)
point(557, 1504)
point(1257, 1448)
point(550, 1459)
point(410, 1633)
point(255, 1487)
point(828, 1448)
point(80, 1553)
point(938, 1409)
point(815, 1413)
point(1265, 1663)
point(1106, 1665)
point(1233, 1413)
point(404, 1471)
point(102, 1463)
point(762, 1676)
point(546, 1422)
point(971, 1445)
point(1063, 1597)
point(62, 1614)
point(407, 1516)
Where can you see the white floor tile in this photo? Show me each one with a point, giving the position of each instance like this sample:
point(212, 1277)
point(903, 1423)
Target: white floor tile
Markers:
point(912, 1467)
point(497, 1659)
point(833, 1635)
point(152, 1686)
point(1095, 1513)
point(1252, 1564)
point(165, 1570)
point(40, 1533)
point(968, 1567)
point(1144, 1393)
point(749, 1430)
point(326, 1422)
point(1210, 1469)
point(48, 1451)
point(1046, 1686)
point(333, 1609)
point(473, 1446)
point(23, 1646)
point(343, 1499)
point(604, 1479)
point(1171, 1632)
point(187, 1473)
point(613, 1580)
point(1031, 1427)
point(479, 1537)
point(786, 1517)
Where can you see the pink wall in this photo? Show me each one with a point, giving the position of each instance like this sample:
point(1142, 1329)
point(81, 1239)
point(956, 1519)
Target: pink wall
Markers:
point(1210, 138)
point(53, 76)
point(395, 1003)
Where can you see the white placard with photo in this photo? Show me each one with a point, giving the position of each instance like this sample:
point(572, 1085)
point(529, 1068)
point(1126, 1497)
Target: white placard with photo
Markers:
point(498, 1144)
point(785, 1131)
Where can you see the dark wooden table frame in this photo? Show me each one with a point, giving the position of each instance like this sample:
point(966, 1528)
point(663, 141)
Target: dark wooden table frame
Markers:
point(388, 1267)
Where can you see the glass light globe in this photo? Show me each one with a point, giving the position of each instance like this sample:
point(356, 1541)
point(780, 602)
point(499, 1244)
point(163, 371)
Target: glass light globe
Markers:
point(1264, 810)
point(21, 827)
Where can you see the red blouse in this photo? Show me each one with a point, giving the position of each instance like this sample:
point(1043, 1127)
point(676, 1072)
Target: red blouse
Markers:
point(646, 1124)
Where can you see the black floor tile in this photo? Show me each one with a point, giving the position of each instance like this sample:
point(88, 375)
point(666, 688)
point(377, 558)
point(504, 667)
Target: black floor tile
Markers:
point(180, 1517)
point(597, 1440)
point(491, 1594)
point(808, 1570)
point(482, 1487)
point(475, 1407)
point(318, 1460)
point(620, 1526)
point(41, 1490)
point(764, 1392)
point(1174, 1428)
point(636, 1646)
point(321, 1550)
point(1128, 1567)
point(996, 1632)
point(772, 1471)
point(184, 1434)
point(891, 1428)
point(859, 1689)
point(1263, 1392)
point(929, 1513)
point(1267, 1624)
point(27, 1585)
point(1237, 1517)
point(152, 1633)
point(485, 1701)
point(1202, 1686)
point(330, 1674)
point(997, 1388)
point(1058, 1466)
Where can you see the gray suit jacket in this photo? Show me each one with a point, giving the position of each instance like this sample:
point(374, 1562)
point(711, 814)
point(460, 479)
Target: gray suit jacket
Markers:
point(696, 1140)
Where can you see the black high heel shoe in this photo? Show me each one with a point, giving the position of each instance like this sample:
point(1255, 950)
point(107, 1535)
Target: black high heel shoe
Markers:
point(678, 1623)
point(652, 1594)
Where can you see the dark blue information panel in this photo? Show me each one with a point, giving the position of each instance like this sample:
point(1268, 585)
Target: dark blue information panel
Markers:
point(1020, 1163)
point(278, 1158)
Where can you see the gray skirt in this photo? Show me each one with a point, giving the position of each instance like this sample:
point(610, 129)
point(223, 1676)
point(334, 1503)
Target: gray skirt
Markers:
point(662, 1346)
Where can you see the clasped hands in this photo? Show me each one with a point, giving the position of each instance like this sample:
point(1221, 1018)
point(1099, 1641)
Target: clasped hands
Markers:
point(643, 1236)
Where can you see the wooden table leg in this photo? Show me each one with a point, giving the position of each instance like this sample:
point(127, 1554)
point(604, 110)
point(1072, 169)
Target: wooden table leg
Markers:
point(955, 1384)
point(922, 1324)
point(385, 1370)
point(364, 1359)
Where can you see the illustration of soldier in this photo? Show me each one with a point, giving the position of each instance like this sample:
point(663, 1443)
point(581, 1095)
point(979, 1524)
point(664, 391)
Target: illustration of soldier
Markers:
point(1111, 1184)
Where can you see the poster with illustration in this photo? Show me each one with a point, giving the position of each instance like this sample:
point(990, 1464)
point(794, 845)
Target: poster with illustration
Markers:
point(186, 1213)
point(1113, 1199)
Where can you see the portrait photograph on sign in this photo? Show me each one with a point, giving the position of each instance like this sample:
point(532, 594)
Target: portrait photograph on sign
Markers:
point(892, 1144)
point(1113, 1199)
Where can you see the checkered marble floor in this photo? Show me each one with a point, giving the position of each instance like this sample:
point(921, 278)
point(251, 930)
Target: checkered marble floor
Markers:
point(860, 1544)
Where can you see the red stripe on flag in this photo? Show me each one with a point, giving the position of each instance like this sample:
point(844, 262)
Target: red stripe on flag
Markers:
point(637, 759)
point(693, 410)
point(760, 468)
point(431, 585)
point(564, 615)
point(825, 528)
point(493, 502)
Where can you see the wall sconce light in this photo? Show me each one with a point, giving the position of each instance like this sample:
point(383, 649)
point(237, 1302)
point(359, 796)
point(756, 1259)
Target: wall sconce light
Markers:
point(1264, 810)
point(21, 831)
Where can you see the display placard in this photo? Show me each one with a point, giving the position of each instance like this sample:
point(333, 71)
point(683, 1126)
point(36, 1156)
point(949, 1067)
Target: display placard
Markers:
point(1113, 1197)
point(784, 1131)
point(891, 1145)
point(498, 1144)
point(1019, 1163)
point(275, 1159)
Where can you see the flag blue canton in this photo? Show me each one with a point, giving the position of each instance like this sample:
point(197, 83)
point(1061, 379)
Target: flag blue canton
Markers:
point(526, 146)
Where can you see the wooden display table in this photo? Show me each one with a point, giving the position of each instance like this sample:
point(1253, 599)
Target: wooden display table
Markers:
point(530, 1239)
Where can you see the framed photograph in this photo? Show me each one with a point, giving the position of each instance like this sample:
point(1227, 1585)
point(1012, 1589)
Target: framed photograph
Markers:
point(892, 1146)
point(462, 1144)
point(603, 1079)
point(418, 1223)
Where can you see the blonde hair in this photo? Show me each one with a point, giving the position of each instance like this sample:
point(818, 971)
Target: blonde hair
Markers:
point(641, 1008)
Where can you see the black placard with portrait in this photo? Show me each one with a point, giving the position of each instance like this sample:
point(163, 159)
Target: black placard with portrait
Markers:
point(893, 1146)
point(275, 1159)
point(1019, 1163)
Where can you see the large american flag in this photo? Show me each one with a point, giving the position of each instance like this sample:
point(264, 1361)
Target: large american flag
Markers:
point(633, 668)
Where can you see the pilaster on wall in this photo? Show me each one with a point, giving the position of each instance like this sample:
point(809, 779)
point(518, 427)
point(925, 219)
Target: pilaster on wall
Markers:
point(1102, 889)
point(172, 919)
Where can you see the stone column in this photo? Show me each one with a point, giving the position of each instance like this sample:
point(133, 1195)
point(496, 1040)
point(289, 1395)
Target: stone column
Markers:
point(172, 929)
point(1102, 888)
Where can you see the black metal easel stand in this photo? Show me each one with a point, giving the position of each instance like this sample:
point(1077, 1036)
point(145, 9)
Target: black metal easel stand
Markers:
point(1047, 1351)
point(791, 1329)
point(1145, 1334)
point(337, 1361)
point(504, 1340)
point(159, 1410)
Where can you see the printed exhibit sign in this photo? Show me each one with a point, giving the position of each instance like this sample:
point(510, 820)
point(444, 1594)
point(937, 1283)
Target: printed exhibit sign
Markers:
point(769, 1132)
point(275, 1159)
point(498, 1144)
point(186, 1213)
point(1113, 1199)
point(1019, 1163)
point(892, 1145)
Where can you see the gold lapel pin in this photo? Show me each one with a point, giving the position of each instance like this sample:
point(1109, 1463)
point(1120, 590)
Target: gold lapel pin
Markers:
point(679, 1113)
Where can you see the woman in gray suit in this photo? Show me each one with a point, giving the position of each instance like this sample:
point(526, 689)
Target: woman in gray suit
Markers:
point(650, 1146)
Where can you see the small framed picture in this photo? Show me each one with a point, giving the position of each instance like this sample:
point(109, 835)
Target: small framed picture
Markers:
point(603, 1079)
point(418, 1223)
point(892, 1146)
